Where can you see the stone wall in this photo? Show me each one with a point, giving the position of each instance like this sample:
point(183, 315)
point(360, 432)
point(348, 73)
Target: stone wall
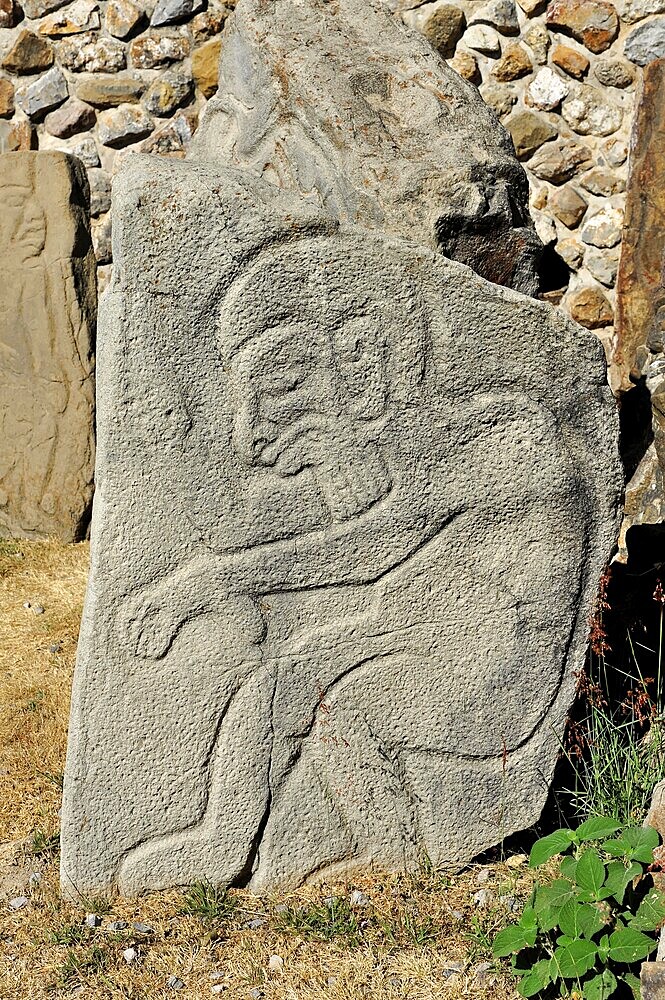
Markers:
point(103, 79)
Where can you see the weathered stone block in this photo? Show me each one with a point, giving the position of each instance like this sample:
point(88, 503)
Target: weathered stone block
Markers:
point(28, 54)
point(335, 468)
point(594, 23)
point(47, 324)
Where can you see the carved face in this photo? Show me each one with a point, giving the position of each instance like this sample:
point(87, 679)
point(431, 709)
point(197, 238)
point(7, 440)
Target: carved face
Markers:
point(286, 398)
point(22, 223)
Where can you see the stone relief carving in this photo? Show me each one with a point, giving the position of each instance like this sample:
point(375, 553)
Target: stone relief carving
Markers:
point(47, 317)
point(352, 503)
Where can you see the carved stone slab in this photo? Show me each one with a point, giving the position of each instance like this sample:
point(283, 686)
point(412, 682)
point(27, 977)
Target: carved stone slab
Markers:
point(47, 323)
point(352, 505)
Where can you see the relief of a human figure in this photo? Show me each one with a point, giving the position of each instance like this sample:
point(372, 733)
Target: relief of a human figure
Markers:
point(45, 350)
point(335, 391)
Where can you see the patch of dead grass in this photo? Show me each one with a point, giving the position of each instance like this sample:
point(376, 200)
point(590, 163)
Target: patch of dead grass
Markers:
point(420, 937)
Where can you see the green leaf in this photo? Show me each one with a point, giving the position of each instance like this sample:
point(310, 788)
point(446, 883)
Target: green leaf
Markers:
point(590, 872)
point(536, 979)
point(596, 828)
point(642, 841)
point(580, 919)
point(600, 987)
point(604, 948)
point(651, 912)
point(576, 958)
point(547, 847)
point(618, 848)
point(568, 866)
point(549, 900)
point(528, 921)
point(634, 984)
point(510, 940)
point(619, 875)
point(628, 945)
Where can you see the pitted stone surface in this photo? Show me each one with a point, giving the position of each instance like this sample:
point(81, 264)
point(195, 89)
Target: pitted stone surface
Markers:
point(47, 319)
point(395, 143)
point(352, 499)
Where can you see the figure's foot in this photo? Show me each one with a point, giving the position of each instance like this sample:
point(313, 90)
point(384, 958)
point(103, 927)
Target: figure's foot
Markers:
point(175, 860)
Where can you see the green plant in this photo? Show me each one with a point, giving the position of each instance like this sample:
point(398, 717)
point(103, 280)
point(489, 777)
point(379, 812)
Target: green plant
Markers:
point(44, 843)
point(617, 748)
point(90, 961)
point(587, 929)
point(207, 901)
point(333, 918)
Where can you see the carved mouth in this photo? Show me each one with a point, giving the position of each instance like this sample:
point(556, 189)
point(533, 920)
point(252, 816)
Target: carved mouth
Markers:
point(286, 453)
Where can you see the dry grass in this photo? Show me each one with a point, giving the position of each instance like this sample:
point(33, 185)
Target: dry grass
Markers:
point(421, 936)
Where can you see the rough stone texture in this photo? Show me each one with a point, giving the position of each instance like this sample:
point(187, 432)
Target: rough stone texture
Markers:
point(46, 93)
point(124, 124)
point(594, 23)
point(28, 54)
point(6, 98)
point(603, 229)
point(7, 13)
point(589, 114)
point(205, 66)
point(558, 161)
point(501, 14)
point(37, 8)
point(646, 43)
point(639, 348)
point(444, 28)
point(47, 322)
point(634, 10)
point(514, 63)
point(538, 39)
point(192, 47)
point(614, 73)
point(433, 188)
point(72, 118)
point(528, 132)
point(483, 39)
point(80, 16)
point(590, 308)
point(122, 18)
point(153, 49)
point(309, 589)
point(171, 11)
point(571, 61)
point(568, 205)
point(547, 90)
point(652, 981)
point(109, 91)
point(168, 92)
point(17, 137)
point(466, 64)
point(87, 54)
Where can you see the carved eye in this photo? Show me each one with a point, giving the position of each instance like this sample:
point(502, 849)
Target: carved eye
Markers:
point(351, 347)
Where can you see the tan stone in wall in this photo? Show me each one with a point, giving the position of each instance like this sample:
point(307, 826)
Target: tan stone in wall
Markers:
point(47, 322)
point(640, 288)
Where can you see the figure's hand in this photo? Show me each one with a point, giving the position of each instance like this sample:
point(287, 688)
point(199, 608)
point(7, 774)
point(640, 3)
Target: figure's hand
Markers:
point(152, 621)
point(154, 618)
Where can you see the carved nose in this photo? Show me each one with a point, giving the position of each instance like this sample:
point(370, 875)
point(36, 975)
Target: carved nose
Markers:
point(250, 436)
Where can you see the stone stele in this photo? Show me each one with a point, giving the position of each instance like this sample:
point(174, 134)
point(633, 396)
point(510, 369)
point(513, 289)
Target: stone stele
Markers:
point(353, 500)
point(48, 305)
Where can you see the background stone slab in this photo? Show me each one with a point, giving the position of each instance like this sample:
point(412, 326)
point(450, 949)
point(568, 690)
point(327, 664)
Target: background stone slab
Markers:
point(48, 306)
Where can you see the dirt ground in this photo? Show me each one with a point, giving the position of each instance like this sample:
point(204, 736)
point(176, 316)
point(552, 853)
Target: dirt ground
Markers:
point(422, 936)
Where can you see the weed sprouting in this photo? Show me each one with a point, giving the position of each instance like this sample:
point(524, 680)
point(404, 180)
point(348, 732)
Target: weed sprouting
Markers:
point(617, 750)
point(78, 965)
point(44, 844)
point(68, 935)
point(333, 919)
point(208, 902)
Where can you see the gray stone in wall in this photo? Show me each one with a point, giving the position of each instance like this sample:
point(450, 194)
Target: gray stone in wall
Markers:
point(352, 499)
point(646, 43)
point(45, 94)
point(172, 11)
